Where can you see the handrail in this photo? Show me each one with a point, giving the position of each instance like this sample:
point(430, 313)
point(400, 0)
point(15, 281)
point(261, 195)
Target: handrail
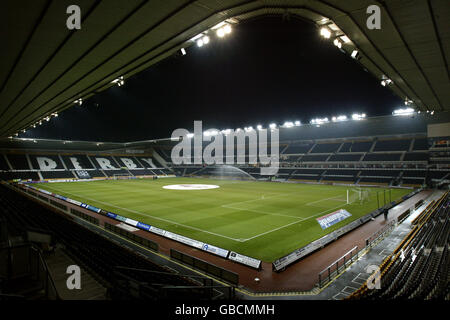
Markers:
point(47, 274)
point(336, 263)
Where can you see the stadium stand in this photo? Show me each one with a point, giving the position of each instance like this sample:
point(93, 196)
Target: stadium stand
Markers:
point(419, 267)
point(48, 166)
point(117, 268)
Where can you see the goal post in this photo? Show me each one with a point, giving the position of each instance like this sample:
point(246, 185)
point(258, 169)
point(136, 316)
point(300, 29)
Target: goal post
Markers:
point(357, 195)
point(121, 176)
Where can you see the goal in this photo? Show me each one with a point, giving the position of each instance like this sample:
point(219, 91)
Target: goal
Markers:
point(357, 195)
point(122, 176)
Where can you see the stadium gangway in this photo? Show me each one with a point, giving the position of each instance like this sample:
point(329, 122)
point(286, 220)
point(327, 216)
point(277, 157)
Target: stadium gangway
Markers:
point(340, 265)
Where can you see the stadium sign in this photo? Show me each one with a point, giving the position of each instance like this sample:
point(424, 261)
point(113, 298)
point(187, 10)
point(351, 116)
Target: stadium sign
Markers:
point(223, 143)
point(248, 261)
point(333, 218)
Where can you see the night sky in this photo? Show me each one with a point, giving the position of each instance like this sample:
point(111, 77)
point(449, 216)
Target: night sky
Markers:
point(267, 70)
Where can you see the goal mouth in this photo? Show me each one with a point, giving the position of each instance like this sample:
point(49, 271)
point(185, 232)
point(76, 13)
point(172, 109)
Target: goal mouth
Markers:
point(192, 186)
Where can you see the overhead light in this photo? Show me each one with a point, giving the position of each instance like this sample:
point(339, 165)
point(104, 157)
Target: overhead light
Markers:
point(220, 32)
point(248, 129)
point(432, 112)
point(408, 102)
point(227, 29)
point(219, 25)
point(272, 126)
point(337, 43)
point(385, 81)
point(355, 54)
point(79, 101)
point(205, 40)
point(345, 39)
point(183, 51)
point(119, 81)
point(403, 112)
point(339, 118)
point(259, 127)
point(319, 121)
point(357, 116)
point(325, 32)
point(288, 124)
point(199, 43)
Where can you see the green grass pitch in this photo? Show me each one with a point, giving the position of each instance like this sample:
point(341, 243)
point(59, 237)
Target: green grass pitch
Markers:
point(260, 219)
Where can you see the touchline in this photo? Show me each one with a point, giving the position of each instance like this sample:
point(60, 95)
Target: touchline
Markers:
point(225, 142)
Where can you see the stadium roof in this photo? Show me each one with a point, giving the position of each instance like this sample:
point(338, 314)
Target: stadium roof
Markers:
point(45, 67)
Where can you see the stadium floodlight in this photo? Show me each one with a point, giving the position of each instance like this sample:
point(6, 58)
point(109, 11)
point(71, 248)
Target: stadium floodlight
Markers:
point(385, 81)
point(199, 43)
point(297, 123)
point(345, 39)
point(319, 121)
point(288, 124)
point(205, 40)
point(272, 126)
point(339, 118)
point(357, 116)
point(259, 127)
point(403, 112)
point(119, 81)
point(337, 43)
point(183, 51)
point(227, 29)
point(325, 32)
point(220, 33)
point(408, 102)
point(219, 25)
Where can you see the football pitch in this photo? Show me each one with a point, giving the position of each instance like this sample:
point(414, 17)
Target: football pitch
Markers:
point(264, 220)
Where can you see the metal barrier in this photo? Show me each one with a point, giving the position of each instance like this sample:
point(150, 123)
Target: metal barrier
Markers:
point(370, 241)
point(327, 274)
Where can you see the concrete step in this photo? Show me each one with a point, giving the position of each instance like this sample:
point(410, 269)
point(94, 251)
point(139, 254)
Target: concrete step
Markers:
point(90, 289)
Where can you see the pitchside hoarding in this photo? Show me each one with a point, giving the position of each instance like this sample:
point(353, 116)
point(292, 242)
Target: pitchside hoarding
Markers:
point(333, 218)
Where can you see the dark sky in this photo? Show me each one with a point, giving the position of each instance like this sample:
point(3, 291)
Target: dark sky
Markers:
point(266, 70)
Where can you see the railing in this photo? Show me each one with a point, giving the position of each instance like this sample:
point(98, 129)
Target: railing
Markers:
point(201, 287)
point(327, 274)
point(43, 275)
point(370, 241)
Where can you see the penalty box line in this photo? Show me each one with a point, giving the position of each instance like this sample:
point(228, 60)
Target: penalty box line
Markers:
point(158, 218)
point(290, 224)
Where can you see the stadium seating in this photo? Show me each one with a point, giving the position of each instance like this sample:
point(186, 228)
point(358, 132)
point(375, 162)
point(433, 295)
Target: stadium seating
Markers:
point(76, 166)
point(419, 268)
point(92, 250)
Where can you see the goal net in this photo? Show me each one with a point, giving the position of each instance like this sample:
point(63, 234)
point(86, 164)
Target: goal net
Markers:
point(357, 195)
point(120, 176)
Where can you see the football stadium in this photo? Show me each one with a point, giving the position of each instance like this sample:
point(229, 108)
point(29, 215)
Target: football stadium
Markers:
point(98, 204)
